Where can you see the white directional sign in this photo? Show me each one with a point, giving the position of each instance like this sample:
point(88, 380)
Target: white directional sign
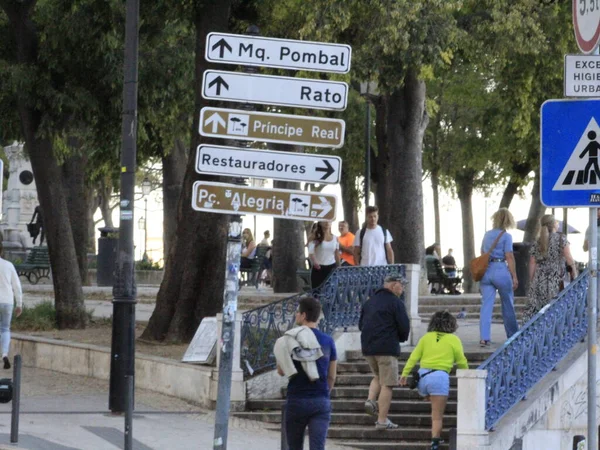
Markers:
point(582, 75)
point(272, 90)
point(281, 53)
point(269, 127)
point(287, 166)
point(586, 24)
point(222, 198)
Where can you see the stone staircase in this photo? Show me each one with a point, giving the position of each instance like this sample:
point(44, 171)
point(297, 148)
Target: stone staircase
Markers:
point(471, 303)
point(350, 426)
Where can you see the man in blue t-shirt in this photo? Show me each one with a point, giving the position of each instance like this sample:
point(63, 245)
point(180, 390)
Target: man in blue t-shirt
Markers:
point(308, 403)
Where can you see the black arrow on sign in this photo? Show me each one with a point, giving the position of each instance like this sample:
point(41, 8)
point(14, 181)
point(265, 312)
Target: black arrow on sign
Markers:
point(222, 45)
point(328, 170)
point(219, 82)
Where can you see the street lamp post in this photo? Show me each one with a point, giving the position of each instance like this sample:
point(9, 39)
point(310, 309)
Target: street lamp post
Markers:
point(368, 88)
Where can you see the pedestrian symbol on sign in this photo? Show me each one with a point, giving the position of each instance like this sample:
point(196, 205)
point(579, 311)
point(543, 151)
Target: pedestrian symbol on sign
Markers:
point(582, 171)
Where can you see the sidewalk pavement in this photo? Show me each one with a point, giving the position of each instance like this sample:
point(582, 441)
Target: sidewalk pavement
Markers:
point(68, 412)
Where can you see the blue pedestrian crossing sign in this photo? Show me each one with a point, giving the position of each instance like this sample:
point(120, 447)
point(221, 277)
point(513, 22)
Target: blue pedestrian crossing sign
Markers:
point(570, 153)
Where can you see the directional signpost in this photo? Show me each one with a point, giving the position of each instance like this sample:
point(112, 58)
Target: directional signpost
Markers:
point(272, 90)
point(281, 53)
point(225, 198)
point(268, 127)
point(287, 166)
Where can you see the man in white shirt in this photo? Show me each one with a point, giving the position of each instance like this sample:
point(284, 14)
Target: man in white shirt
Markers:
point(372, 243)
point(10, 293)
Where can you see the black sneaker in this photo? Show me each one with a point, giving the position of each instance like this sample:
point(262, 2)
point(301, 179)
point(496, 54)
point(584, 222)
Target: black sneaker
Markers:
point(435, 444)
point(6, 362)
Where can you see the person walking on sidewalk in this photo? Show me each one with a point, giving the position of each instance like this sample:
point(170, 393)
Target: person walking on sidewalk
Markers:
point(501, 276)
point(10, 294)
point(383, 324)
point(308, 402)
point(373, 243)
point(437, 353)
point(346, 241)
point(324, 254)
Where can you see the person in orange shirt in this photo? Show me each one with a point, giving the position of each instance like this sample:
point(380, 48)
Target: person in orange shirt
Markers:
point(346, 241)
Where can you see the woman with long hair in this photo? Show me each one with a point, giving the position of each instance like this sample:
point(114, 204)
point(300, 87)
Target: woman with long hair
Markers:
point(547, 266)
point(248, 248)
point(437, 353)
point(324, 253)
point(500, 276)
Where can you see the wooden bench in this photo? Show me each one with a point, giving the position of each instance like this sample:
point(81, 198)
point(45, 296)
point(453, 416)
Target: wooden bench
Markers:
point(36, 265)
point(250, 276)
point(437, 277)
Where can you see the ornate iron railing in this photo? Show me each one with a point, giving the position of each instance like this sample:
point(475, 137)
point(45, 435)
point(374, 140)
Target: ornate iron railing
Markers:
point(341, 296)
point(531, 353)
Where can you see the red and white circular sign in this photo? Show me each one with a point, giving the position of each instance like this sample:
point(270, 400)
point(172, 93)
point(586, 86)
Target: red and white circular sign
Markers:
point(586, 22)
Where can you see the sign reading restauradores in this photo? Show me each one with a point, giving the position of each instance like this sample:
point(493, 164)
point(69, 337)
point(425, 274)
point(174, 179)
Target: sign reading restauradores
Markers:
point(222, 198)
point(269, 127)
point(273, 90)
point(280, 53)
point(286, 166)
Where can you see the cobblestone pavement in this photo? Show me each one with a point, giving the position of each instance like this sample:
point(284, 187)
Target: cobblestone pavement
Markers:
point(66, 412)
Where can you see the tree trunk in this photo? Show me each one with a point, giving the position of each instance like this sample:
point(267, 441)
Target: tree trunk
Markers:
point(92, 206)
point(105, 206)
point(288, 240)
point(349, 201)
point(173, 172)
point(517, 179)
point(464, 188)
point(536, 211)
point(70, 310)
point(193, 283)
point(73, 170)
point(435, 187)
point(399, 168)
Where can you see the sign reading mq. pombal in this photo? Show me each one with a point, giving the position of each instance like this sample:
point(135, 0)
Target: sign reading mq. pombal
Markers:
point(222, 198)
point(280, 53)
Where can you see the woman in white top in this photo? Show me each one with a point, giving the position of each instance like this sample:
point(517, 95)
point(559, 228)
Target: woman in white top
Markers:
point(324, 253)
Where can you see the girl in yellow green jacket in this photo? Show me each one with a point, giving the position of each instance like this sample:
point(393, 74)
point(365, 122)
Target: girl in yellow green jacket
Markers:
point(437, 352)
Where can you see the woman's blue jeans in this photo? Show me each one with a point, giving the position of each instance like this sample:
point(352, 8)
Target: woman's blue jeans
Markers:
point(497, 278)
point(314, 413)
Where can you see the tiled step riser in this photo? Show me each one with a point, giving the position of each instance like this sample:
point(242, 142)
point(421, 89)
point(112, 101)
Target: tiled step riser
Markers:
point(407, 420)
point(406, 434)
point(398, 406)
point(470, 309)
point(447, 300)
point(366, 445)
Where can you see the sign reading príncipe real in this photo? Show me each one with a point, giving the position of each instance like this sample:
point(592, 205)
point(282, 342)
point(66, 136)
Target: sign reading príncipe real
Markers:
point(222, 198)
point(269, 127)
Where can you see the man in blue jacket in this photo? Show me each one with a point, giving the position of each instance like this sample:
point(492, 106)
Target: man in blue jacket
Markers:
point(384, 324)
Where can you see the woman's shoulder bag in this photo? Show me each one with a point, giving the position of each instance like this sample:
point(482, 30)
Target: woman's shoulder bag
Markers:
point(479, 265)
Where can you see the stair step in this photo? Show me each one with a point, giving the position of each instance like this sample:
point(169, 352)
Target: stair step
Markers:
point(386, 445)
point(406, 420)
point(353, 405)
point(363, 367)
point(472, 356)
point(470, 309)
point(399, 393)
point(364, 379)
point(370, 432)
point(449, 300)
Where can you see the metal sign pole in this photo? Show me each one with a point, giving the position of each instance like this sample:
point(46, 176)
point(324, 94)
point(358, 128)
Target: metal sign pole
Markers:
point(592, 440)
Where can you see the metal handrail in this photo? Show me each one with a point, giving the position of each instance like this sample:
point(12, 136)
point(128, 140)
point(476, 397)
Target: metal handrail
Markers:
point(531, 353)
point(341, 296)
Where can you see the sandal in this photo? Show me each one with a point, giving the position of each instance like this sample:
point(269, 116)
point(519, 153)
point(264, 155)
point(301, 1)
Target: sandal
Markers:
point(371, 408)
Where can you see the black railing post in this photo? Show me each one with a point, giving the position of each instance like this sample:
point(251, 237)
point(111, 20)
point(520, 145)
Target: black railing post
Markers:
point(284, 445)
point(16, 401)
